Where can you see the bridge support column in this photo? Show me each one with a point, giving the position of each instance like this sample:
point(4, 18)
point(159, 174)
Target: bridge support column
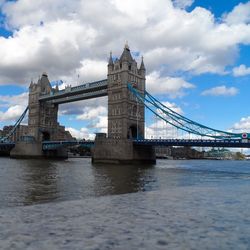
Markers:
point(33, 150)
point(27, 150)
point(121, 151)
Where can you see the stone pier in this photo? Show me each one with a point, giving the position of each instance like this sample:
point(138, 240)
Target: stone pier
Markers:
point(33, 150)
point(109, 150)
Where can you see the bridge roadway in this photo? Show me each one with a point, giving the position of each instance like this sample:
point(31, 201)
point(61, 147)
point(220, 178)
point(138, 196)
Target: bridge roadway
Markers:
point(194, 143)
point(81, 92)
point(52, 145)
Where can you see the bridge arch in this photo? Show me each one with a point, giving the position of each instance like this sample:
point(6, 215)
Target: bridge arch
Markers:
point(45, 136)
point(132, 132)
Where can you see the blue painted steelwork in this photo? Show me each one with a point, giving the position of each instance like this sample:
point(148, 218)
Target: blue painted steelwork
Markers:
point(180, 122)
point(18, 122)
point(81, 92)
point(226, 143)
point(53, 145)
point(231, 143)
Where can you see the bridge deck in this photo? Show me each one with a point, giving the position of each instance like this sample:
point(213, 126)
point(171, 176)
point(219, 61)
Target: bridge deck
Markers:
point(51, 145)
point(194, 143)
point(81, 92)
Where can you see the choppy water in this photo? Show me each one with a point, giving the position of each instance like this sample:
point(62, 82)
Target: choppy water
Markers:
point(174, 205)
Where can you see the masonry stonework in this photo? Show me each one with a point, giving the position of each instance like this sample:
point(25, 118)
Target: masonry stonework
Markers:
point(126, 116)
point(42, 123)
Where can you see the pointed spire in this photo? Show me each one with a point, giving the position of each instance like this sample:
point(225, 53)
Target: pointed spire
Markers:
point(126, 56)
point(31, 83)
point(142, 67)
point(126, 45)
point(110, 59)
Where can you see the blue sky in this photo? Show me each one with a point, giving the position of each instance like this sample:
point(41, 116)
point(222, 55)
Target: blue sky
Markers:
point(197, 55)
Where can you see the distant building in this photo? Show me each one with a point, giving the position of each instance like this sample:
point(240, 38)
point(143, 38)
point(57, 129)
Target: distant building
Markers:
point(63, 135)
point(162, 152)
point(219, 154)
point(178, 152)
point(21, 130)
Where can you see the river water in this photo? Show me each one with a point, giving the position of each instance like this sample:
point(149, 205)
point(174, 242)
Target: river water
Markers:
point(73, 204)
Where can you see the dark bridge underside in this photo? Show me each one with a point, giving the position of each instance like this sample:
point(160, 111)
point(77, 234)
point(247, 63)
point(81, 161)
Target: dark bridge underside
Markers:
point(5, 148)
point(82, 92)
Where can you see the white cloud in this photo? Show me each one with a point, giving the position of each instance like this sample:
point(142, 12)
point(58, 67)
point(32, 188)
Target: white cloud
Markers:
point(53, 47)
point(7, 100)
point(242, 126)
point(158, 128)
point(241, 70)
point(69, 38)
point(92, 70)
point(83, 107)
point(102, 124)
point(168, 86)
point(183, 3)
point(90, 113)
point(12, 113)
point(240, 14)
point(94, 114)
point(173, 106)
point(83, 133)
point(15, 105)
point(221, 91)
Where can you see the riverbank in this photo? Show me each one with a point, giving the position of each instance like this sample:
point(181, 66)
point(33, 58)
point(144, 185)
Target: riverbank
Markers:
point(177, 218)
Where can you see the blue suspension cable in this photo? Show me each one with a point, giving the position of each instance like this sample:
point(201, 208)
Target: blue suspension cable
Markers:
point(18, 122)
point(179, 121)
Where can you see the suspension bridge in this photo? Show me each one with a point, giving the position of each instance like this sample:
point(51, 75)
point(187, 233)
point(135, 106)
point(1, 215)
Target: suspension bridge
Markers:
point(127, 100)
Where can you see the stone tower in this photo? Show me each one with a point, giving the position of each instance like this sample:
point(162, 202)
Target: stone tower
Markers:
point(42, 115)
point(42, 124)
point(126, 118)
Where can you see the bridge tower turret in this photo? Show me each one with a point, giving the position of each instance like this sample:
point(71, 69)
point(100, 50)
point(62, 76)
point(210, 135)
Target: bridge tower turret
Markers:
point(126, 118)
point(42, 115)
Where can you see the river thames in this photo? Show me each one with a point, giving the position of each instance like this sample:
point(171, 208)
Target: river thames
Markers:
point(72, 204)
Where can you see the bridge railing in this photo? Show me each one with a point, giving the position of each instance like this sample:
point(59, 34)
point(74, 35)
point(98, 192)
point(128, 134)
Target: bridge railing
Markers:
point(232, 143)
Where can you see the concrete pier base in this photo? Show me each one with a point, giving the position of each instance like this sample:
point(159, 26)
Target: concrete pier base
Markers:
point(121, 151)
point(33, 150)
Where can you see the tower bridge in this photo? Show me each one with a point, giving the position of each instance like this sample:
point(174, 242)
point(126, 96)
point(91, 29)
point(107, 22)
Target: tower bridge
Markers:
point(127, 99)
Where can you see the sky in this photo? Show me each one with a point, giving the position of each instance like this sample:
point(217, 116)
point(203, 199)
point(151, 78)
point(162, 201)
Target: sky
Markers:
point(196, 53)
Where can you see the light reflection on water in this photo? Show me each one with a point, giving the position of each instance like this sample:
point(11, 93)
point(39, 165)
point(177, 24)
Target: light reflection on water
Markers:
point(26, 182)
